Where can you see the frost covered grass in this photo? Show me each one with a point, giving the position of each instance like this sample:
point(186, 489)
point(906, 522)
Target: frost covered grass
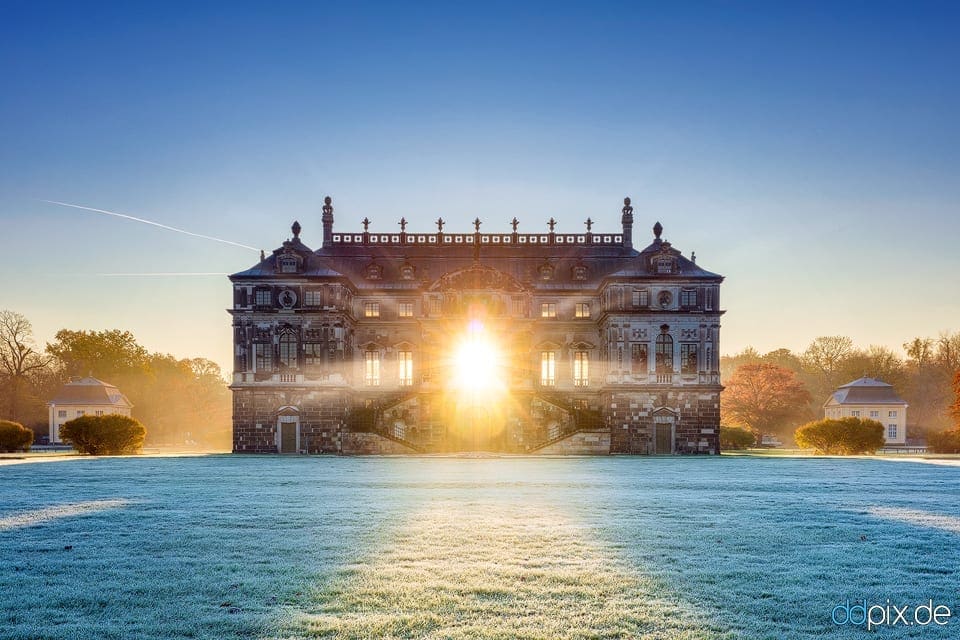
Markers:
point(290, 547)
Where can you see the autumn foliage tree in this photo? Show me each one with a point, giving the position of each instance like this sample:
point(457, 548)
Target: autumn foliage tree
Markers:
point(763, 397)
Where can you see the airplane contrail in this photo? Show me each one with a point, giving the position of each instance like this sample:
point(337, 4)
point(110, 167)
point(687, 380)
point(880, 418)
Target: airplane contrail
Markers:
point(152, 223)
point(163, 274)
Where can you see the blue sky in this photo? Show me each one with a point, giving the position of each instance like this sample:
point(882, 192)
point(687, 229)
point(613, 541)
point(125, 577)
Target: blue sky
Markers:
point(809, 152)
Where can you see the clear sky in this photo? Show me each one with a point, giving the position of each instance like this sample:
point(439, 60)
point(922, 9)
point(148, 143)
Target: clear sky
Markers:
point(809, 152)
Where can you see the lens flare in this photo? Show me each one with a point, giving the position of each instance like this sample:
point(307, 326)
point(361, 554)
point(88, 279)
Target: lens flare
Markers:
point(477, 362)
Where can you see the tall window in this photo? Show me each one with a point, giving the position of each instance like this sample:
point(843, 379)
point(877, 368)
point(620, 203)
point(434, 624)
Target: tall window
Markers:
point(371, 368)
point(581, 369)
point(891, 414)
point(688, 298)
point(406, 309)
point(582, 310)
point(371, 309)
point(435, 306)
point(263, 356)
point(288, 350)
point(688, 357)
point(855, 413)
point(312, 353)
point(405, 366)
point(548, 368)
point(664, 353)
point(641, 298)
point(548, 310)
point(638, 357)
point(891, 431)
point(263, 298)
point(517, 306)
point(312, 298)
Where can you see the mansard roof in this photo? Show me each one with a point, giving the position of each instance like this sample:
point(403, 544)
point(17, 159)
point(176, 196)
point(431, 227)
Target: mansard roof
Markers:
point(539, 261)
point(90, 391)
point(865, 391)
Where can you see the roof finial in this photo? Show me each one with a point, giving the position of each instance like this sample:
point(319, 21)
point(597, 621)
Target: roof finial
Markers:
point(440, 223)
point(552, 223)
point(515, 224)
point(263, 256)
point(657, 230)
point(589, 224)
point(296, 230)
point(366, 224)
point(403, 225)
point(693, 257)
point(476, 224)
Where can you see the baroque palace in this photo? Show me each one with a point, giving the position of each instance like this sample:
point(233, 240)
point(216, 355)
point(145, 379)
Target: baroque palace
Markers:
point(411, 341)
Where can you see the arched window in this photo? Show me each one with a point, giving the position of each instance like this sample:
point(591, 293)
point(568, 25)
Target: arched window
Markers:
point(288, 350)
point(664, 353)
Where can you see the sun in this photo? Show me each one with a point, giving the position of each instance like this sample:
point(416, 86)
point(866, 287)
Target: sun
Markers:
point(477, 361)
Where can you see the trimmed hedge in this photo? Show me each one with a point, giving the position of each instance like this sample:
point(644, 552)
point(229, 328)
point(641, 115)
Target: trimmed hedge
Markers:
point(104, 435)
point(944, 441)
point(14, 436)
point(845, 437)
point(733, 438)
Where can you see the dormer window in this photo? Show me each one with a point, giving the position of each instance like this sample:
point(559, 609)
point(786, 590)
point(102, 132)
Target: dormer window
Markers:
point(580, 272)
point(288, 264)
point(663, 265)
point(546, 272)
point(373, 272)
point(407, 272)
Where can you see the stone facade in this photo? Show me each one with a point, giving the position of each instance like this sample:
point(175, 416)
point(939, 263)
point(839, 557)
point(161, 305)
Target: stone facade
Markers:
point(361, 336)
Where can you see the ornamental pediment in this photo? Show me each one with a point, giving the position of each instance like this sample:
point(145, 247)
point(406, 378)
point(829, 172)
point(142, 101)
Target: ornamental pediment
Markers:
point(476, 277)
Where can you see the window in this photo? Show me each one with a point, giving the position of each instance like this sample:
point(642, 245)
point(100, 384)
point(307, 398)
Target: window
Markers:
point(518, 306)
point(638, 357)
point(80, 412)
point(548, 368)
point(435, 305)
point(99, 412)
point(263, 298)
point(688, 357)
point(891, 414)
point(688, 298)
point(61, 414)
point(405, 367)
point(288, 265)
point(582, 310)
point(371, 368)
point(641, 298)
point(406, 309)
point(312, 353)
point(664, 354)
point(664, 265)
point(891, 431)
point(855, 413)
point(581, 369)
point(371, 309)
point(548, 310)
point(312, 298)
point(288, 350)
point(874, 414)
point(263, 356)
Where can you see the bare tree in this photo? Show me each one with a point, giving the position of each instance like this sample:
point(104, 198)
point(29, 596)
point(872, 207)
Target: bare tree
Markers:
point(18, 359)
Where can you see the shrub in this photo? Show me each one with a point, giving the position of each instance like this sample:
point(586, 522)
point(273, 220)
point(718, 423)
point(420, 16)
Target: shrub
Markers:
point(944, 441)
point(732, 438)
point(846, 436)
point(14, 436)
point(104, 435)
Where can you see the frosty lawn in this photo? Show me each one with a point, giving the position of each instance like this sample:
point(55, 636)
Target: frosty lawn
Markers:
point(291, 547)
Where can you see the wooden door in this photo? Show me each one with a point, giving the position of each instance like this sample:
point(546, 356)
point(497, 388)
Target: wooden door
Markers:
point(288, 437)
